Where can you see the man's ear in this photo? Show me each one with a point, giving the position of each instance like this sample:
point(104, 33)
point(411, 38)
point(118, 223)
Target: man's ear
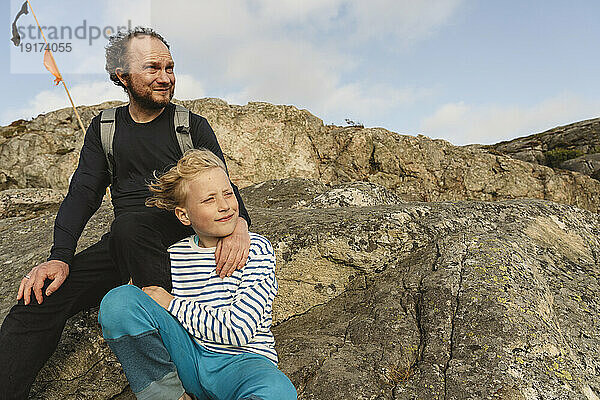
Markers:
point(121, 76)
point(182, 216)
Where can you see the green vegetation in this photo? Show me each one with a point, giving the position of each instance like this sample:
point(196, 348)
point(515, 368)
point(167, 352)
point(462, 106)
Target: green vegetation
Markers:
point(556, 156)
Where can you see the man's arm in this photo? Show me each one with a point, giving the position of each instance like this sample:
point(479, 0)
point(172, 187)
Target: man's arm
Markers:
point(83, 199)
point(86, 190)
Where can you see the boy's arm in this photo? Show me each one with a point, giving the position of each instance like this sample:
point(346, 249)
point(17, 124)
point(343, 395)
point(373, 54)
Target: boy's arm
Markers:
point(238, 323)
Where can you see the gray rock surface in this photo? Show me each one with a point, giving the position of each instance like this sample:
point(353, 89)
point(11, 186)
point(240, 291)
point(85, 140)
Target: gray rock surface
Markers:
point(305, 193)
point(588, 164)
point(283, 193)
point(264, 141)
point(27, 202)
point(550, 147)
point(438, 300)
point(43, 152)
point(355, 194)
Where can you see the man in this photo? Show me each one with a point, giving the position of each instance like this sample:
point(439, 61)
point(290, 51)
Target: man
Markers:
point(144, 142)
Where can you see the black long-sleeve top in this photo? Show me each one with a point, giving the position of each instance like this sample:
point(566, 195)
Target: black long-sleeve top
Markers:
point(139, 149)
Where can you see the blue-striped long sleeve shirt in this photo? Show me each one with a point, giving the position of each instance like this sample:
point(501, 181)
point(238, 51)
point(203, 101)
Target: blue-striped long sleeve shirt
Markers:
point(230, 315)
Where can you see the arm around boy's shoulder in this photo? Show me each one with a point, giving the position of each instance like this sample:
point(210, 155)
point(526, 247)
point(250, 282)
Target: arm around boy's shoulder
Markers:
point(261, 251)
point(259, 271)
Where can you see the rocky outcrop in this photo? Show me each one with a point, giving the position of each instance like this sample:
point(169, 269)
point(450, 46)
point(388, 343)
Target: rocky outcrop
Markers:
point(574, 147)
point(588, 165)
point(43, 153)
point(264, 141)
point(304, 193)
point(28, 202)
point(452, 300)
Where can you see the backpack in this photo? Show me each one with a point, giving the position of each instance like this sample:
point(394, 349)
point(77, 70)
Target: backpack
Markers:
point(181, 120)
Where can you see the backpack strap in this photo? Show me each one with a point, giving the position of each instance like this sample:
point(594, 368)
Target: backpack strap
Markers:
point(107, 133)
point(181, 120)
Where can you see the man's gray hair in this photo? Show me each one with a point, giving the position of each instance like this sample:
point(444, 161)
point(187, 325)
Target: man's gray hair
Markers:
point(117, 50)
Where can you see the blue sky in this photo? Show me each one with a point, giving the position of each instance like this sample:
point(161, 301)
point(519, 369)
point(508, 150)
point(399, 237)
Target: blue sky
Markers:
point(465, 71)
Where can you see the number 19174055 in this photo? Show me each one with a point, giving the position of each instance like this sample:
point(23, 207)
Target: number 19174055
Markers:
point(55, 47)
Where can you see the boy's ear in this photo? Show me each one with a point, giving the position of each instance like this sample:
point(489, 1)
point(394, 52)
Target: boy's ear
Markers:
point(182, 216)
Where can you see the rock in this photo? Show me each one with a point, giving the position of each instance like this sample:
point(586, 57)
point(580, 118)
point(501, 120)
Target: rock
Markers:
point(555, 146)
point(83, 366)
point(282, 193)
point(472, 313)
point(587, 165)
point(262, 141)
point(306, 193)
point(355, 194)
point(28, 202)
point(456, 300)
point(43, 153)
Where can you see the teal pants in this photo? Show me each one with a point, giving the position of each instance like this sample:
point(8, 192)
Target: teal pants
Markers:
point(161, 360)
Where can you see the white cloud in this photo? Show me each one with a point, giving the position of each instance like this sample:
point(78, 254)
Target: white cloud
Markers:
point(463, 124)
point(283, 71)
point(303, 53)
point(406, 21)
point(119, 12)
point(188, 87)
point(367, 103)
point(305, 76)
point(87, 93)
point(90, 93)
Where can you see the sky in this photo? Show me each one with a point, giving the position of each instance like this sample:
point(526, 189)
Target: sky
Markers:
point(462, 70)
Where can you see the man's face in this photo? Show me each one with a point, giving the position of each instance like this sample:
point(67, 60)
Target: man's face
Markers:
point(151, 81)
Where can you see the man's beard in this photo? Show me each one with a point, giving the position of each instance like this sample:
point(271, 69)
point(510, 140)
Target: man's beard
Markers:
point(145, 100)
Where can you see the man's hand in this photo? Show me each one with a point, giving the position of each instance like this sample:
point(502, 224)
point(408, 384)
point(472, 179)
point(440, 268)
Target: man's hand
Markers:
point(55, 270)
point(232, 251)
point(159, 295)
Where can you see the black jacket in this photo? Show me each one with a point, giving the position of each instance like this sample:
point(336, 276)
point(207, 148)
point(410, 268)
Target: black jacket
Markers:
point(140, 150)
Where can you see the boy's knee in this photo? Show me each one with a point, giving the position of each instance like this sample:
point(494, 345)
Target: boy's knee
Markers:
point(279, 387)
point(118, 305)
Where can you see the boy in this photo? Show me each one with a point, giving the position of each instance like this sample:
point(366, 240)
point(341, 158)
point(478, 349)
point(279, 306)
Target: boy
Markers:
point(211, 337)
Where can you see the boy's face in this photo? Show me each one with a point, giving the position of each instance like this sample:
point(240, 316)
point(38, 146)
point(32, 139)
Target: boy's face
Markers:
point(210, 206)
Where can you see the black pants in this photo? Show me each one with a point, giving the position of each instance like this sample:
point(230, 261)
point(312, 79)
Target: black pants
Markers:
point(135, 247)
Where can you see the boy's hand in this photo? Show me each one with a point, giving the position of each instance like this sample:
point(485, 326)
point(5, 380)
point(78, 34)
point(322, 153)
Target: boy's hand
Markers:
point(232, 251)
point(159, 295)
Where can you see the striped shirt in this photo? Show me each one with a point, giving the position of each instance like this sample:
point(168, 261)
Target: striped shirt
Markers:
point(230, 315)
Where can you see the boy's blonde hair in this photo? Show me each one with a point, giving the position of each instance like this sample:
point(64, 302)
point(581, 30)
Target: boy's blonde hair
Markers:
point(170, 189)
